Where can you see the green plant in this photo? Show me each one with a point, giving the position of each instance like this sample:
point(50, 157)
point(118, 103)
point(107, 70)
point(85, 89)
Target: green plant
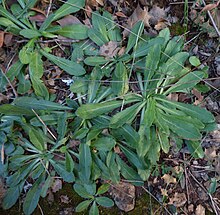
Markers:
point(92, 197)
point(120, 103)
point(18, 22)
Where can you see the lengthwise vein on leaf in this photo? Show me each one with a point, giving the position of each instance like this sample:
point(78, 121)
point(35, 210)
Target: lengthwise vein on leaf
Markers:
point(140, 39)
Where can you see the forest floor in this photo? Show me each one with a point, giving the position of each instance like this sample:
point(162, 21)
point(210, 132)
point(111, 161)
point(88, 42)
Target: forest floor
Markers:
point(191, 185)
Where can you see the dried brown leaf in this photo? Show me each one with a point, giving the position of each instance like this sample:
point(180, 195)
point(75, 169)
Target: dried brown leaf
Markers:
point(56, 186)
point(169, 179)
point(120, 14)
point(69, 20)
point(178, 200)
point(101, 2)
point(109, 49)
point(8, 39)
point(210, 153)
point(124, 195)
point(65, 199)
point(2, 33)
point(139, 14)
point(163, 192)
point(157, 14)
point(163, 23)
point(92, 3)
point(38, 18)
point(200, 210)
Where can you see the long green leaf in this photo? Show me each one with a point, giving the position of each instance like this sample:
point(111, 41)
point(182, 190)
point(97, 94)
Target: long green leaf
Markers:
point(186, 82)
point(61, 171)
point(192, 110)
point(83, 205)
point(68, 66)
point(120, 76)
point(71, 6)
point(104, 201)
point(85, 162)
point(136, 32)
point(98, 24)
point(96, 37)
point(126, 116)
point(94, 209)
point(15, 110)
point(33, 196)
point(37, 139)
point(89, 111)
point(8, 15)
point(11, 197)
point(33, 103)
point(77, 31)
point(181, 127)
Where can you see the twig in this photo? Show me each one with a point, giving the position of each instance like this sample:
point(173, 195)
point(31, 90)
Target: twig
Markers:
point(156, 199)
point(187, 178)
point(49, 7)
point(212, 20)
point(49, 131)
point(42, 213)
point(210, 196)
point(7, 79)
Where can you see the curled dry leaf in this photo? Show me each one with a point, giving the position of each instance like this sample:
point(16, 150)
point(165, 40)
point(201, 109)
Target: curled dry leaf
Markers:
point(178, 200)
point(169, 179)
point(200, 210)
point(139, 14)
point(109, 49)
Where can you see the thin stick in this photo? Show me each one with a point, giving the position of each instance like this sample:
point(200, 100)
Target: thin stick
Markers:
point(210, 196)
point(156, 199)
point(49, 131)
point(7, 79)
point(212, 20)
